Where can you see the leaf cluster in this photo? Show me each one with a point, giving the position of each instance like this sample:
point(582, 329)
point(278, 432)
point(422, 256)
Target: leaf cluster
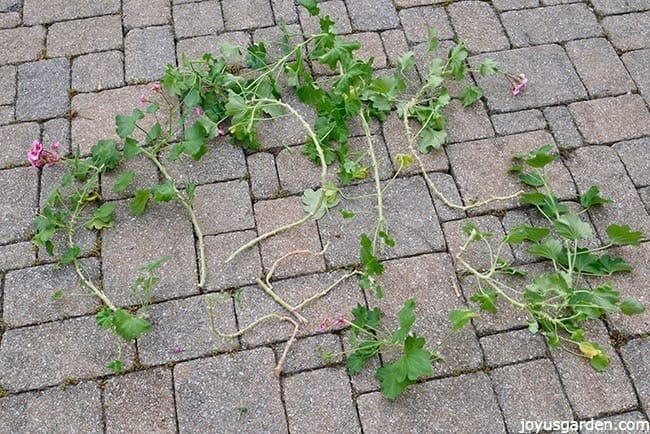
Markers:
point(559, 301)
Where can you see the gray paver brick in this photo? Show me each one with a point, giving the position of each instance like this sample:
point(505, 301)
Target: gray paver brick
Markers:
point(635, 155)
point(6, 115)
point(57, 130)
point(638, 64)
point(98, 71)
point(238, 15)
point(285, 10)
point(512, 347)
point(223, 162)
point(644, 193)
point(140, 402)
point(17, 200)
point(564, 130)
point(610, 7)
point(231, 393)
point(411, 3)
point(308, 353)
point(477, 24)
point(254, 303)
point(264, 178)
point(417, 21)
point(15, 141)
point(610, 390)
point(486, 177)
point(600, 165)
point(163, 230)
point(10, 5)
point(194, 48)
point(287, 130)
point(409, 213)
point(435, 296)
point(371, 46)
point(45, 355)
point(272, 39)
point(632, 284)
point(196, 19)
point(147, 52)
point(395, 45)
point(16, 255)
point(602, 72)
point(96, 113)
point(7, 84)
point(28, 293)
point(518, 122)
point(550, 24)
point(520, 389)
point(22, 44)
point(42, 89)
point(223, 207)
point(634, 355)
point(242, 270)
point(9, 19)
point(146, 176)
point(35, 11)
point(619, 421)
point(467, 123)
point(628, 32)
point(76, 408)
point(506, 5)
point(271, 214)
point(472, 408)
point(180, 330)
point(372, 14)
point(445, 184)
point(84, 36)
point(314, 404)
point(143, 13)
point(551, 79)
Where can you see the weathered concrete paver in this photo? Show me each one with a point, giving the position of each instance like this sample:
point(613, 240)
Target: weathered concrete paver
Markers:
point(42, 89)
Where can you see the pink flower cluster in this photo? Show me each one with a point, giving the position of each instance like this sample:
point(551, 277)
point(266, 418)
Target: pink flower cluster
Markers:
point(38, 156)
point(339, 322)
point(518, 83)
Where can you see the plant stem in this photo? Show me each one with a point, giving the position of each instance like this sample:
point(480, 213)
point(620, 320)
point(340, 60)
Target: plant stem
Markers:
point(381, 220)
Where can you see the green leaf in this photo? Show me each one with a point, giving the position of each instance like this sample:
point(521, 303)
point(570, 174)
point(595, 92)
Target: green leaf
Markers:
point(431, 139)
point(129, 327)
point(164, 192)
point(549, 249)
point(471, 230)
point(406, 318)
point(592, 197)
point(153, 108)
point(152, 266)
point(123, 181)
point(597, 357)
point(104, 318)
point(70, 255)
point(608, 265)
point(622, 235)
point(631, 306)
point(102, 217)
point(406, 62)
point(390, 242)
point(369, 260)
point(139, 202)
point(521, 233)
point(229, 51)
point(311, 6)
point(154, 133)
point(486, 299)
point(131, 148)
point(460, 317)
point(115, 365)
point(126, 124)
point(192, 98)
point(346, 214)
point(469, 95)
point(570, 227)
point(389, 383)
point(311, 200)
point(488, 67)
point(105, 153)
point(532, 179)
point(533, 198)
point(432, 40)
point(256, 58)
point(416, 362)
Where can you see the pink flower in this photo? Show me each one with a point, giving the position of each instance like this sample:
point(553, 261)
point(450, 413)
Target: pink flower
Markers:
point(325, 324)
point(198, 111)
point(155, 86)
point(221, 131)
point(520, 82)
point(143, 99)
point(38, 156)
point(340, 322)
point(177, 349)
